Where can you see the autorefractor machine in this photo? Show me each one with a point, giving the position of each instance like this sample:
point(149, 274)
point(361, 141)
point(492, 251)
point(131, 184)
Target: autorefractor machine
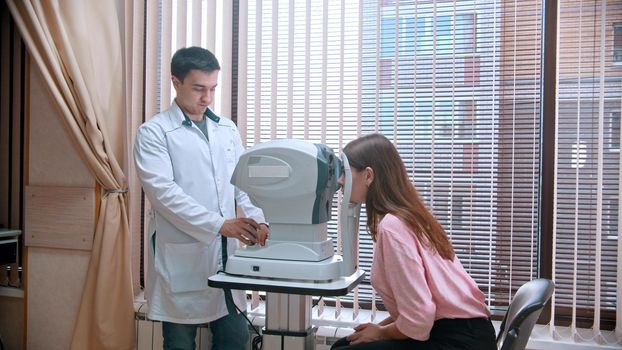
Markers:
point(294, 183)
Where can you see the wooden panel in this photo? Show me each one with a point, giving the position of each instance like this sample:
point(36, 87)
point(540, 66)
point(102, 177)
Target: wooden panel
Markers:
point(59, 217)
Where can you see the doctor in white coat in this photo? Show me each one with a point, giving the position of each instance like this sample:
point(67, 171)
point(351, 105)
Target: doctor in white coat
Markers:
point(185, 157)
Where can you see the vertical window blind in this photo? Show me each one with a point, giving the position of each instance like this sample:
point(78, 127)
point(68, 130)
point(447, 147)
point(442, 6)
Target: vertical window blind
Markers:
point(586, 260)
point(173, 24)
point(456, 86)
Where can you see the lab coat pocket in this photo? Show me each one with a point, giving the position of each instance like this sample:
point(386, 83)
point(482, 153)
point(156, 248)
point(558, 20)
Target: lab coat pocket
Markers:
point(229, 152)
point(187, 266)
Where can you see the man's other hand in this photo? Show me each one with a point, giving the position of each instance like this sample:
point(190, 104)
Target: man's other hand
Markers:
point(246, 230)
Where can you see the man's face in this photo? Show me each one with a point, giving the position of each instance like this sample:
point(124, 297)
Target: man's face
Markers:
point(196, 92)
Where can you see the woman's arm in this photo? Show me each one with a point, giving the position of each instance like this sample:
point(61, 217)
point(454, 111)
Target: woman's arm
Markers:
point(369, 332)
point(386, 321)
point(390, 331)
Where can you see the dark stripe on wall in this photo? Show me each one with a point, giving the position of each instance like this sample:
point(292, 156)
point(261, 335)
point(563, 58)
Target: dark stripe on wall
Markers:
point(13, 84)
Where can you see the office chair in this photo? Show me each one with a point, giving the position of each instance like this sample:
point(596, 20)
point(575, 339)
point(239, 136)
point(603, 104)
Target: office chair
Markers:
point(523, 313)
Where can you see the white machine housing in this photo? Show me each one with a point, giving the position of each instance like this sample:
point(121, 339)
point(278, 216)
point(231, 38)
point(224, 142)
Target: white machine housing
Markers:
point(294, 182)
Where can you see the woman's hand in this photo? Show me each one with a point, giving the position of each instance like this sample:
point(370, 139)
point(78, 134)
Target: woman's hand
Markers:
point(365, 333)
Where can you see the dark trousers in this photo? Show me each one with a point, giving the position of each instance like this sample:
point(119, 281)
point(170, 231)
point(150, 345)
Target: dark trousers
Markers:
point(446, 334)
point(228, 333)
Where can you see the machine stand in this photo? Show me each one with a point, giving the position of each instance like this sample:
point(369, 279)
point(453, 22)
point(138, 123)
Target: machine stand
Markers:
point(288, 305)
point(288, 322)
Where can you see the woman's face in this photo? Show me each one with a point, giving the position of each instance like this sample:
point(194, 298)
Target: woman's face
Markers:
point(360, 184)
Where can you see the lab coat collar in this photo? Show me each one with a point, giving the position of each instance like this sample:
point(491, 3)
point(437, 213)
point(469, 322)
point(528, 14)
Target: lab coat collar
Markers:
point(211, 115)
point(187, 122)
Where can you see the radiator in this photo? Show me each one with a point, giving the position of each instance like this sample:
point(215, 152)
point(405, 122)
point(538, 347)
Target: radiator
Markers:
point(331, 325)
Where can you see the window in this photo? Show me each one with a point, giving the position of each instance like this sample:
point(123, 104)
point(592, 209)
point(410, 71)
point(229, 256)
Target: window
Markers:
point(415, 72)
point(456, 86)
point(446, 34)
point(405, 35)
point(613, 128)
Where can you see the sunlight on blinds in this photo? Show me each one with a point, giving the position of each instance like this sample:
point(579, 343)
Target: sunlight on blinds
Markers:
point(455, 85)
point(173, 24)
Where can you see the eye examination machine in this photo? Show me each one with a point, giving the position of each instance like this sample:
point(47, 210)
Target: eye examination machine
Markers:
point(294, 182)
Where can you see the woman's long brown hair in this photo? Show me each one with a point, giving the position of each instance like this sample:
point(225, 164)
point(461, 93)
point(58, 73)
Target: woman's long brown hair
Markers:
point(392, 192)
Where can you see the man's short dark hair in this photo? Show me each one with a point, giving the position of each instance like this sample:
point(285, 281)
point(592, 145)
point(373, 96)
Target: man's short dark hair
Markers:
point(189, 58)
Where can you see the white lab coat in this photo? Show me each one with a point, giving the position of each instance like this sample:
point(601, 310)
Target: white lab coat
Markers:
point(187, 181)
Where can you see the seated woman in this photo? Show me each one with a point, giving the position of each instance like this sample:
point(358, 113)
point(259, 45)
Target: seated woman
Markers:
point(432, 301)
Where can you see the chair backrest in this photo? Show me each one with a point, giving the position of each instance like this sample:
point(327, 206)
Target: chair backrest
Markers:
point(523, 313)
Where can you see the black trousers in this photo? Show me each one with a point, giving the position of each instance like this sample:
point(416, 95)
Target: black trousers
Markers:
point(446, 334)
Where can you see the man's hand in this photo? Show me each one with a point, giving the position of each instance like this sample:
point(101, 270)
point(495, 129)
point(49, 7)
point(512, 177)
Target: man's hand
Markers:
point(246, 230)
point(262, 234)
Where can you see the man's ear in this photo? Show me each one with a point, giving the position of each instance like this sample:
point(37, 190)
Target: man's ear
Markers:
point(175, 81)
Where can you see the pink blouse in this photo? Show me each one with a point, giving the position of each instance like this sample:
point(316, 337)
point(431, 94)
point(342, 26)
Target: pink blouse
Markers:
point(417, 285)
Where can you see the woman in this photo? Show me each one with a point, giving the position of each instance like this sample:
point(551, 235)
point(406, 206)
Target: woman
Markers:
point(432, 302)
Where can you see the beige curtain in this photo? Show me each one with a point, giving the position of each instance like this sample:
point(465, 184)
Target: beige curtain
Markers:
point(78, 48)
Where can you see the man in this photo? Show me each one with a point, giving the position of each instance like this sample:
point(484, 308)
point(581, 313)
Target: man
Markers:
point(185, 157)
